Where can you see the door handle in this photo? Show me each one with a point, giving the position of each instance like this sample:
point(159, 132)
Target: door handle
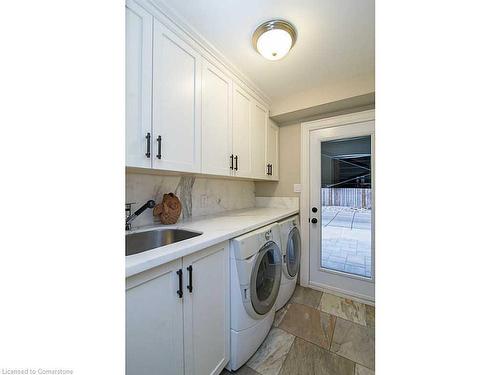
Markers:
point(179, 291)
point(314, 220)
point(236, 161)
point(148, 145)
point(159, 147)
point(190, 285)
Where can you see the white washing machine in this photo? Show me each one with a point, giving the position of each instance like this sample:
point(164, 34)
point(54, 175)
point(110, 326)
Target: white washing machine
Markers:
point(255, 281)
point(290, 252)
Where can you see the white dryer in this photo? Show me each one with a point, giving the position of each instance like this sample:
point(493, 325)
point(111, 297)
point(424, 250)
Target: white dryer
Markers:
point(255, 281)
point(290, 251)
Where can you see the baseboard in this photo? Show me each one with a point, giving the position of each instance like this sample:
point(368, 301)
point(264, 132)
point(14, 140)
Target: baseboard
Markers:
point(342, 293)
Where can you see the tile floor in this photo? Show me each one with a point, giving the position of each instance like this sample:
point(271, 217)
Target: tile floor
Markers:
point(317, 334)
point(346, 240)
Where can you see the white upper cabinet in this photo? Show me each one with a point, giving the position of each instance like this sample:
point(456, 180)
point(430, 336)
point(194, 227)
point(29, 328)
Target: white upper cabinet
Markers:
point(259, 116)
point(176, 103)
point(154, 322)
point(185, 110)
point(138, 66)
point(216, 127)
point(242, 135)
point(272, 151)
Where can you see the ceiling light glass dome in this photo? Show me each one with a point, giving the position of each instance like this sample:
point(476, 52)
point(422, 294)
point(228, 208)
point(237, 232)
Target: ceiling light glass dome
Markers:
point(273, 39)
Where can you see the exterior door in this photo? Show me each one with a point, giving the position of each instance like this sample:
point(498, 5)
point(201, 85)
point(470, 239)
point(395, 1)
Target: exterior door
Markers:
point(154, 319)
point(176, 103)
point(138, 66)
point(206, 310)
point(341, 228)
point(242, 136)
point(216, 128)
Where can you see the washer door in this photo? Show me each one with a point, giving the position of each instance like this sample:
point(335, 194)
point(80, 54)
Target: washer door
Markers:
point(266, 278)
point(293, 252)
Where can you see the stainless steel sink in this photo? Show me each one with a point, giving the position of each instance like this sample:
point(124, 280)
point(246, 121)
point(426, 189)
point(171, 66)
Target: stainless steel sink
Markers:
point(136, 243)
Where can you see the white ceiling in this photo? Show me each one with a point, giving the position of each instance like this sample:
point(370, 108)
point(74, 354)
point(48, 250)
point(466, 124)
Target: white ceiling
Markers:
point(334, 57)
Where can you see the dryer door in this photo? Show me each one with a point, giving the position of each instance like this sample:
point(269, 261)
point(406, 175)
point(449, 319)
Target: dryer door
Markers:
point(266, 278)
point(293, 252)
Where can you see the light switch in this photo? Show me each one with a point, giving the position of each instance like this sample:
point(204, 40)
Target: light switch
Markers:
point(297, 188)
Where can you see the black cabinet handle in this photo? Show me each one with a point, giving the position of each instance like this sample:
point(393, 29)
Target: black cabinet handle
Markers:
point(179, 292)
point(148, 145)
point(236, 161)
point(232, 161)
point(314, 209)
point(271, 166)
point(190, 285)
point(159, 147)
point(267, 166)
point(314, 220)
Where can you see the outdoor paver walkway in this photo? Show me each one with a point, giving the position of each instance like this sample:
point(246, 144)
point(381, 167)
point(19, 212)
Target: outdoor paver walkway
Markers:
point(346, 240)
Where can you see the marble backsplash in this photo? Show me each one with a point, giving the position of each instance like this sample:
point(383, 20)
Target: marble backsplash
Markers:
point(199, 195)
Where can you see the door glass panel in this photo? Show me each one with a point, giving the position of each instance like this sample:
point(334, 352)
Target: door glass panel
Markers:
point(293, 252)
point(346, 206)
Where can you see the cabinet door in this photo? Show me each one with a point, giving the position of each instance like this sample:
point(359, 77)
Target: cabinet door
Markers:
point(259, 117)
point(242, 104)
point(154, 318)
point(216, 127)
point(206, 311)
point(273, 150)
point(138, 67)
point(176, 103)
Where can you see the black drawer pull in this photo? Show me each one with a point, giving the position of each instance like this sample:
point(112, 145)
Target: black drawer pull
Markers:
point(236, 160)
point(271, 169)
point(232, 161)
point(190, 285)
point(159, 147)
point(148, 145)
point(179, 292)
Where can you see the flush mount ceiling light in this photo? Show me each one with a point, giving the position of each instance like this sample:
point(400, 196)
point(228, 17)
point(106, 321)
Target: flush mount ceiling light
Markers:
point(273, 39)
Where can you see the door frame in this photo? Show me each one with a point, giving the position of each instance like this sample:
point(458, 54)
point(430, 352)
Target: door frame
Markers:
point(306, 128)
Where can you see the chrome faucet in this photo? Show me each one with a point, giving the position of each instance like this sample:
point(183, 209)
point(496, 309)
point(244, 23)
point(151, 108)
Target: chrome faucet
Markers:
point(131, 217)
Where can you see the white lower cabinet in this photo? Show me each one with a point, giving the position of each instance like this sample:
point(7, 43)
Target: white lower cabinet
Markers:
point(154, 315)
point(176, 327)
point(206, 311)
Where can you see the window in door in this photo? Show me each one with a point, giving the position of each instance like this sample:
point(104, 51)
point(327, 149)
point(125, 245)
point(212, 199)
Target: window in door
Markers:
point(346, 199)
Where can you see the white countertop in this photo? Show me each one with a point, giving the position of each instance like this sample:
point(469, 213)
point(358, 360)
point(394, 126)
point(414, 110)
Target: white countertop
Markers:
point(215, 228)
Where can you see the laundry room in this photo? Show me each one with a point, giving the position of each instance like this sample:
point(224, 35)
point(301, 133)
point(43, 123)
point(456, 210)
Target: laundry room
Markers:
point(266, 187)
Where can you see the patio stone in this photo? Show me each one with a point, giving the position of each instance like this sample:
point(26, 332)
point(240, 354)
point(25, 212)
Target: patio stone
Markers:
point(356, 260)
point(355, 269)
point(337, 266)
